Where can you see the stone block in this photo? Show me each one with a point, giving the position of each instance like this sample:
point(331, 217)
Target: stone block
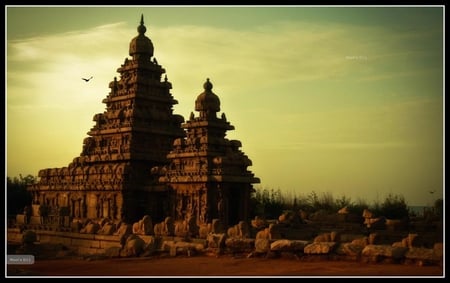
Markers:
point(36, 220)
point(20, 218)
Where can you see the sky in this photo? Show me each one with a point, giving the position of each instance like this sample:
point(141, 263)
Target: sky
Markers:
point(344, 101)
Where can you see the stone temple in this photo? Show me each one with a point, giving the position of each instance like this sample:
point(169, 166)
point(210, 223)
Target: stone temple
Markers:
point(142, 159)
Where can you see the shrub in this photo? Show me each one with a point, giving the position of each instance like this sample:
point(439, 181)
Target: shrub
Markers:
point(394, 207)
point(439, 208)
point(267, 203)
point(17, 195)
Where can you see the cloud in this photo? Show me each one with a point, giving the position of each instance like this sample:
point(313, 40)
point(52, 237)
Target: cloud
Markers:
point(346, 145)
point(239, 59)
point(74, 45)
point(279, 53)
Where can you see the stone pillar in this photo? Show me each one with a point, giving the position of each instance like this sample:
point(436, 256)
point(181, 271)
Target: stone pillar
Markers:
point(114, 207)
point(72, 208)
point(98, 207)
point(108, 208)
point(77, 209)
point(42, 198)
point(83, 207)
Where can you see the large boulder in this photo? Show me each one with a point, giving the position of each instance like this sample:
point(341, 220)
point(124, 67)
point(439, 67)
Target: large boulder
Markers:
point(240, 230)
point(134, 246)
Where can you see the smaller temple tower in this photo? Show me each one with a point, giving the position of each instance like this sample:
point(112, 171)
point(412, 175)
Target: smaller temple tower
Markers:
point(207, 172)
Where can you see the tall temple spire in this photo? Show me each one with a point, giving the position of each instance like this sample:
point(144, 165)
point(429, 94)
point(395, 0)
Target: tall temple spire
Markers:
point(110, 179)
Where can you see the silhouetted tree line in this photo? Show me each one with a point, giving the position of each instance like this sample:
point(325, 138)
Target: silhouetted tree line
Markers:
point(17, 196)
point(272, 203)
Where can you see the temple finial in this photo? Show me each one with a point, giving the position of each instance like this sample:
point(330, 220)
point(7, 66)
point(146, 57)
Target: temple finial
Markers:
point(141, 28)
point(208, 85)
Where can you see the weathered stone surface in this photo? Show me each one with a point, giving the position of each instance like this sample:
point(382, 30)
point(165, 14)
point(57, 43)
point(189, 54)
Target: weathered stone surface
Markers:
point(384, 251)
point(239, 245)
point(143, 226)
point(216, 241)
point(349, 249)
point(112, 252)
point(262, 245)
point(20, 218)
point(259, 223)
point(108, 229)
point(165, 228)
point(188, 228)
point(263, 234)
point(175, 248)
point(347, 237)
point(240, 230)
point(123, 232)
point(35, 220)
point(319, 248)
point(203, 231)
point(90, 228)
point(327, 237)
point(421, 254)
point(76, 226)
point(134, 246)
point(280, 245)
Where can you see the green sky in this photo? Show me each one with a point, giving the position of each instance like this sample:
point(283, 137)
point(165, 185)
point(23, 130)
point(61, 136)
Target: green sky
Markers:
point(340, 100)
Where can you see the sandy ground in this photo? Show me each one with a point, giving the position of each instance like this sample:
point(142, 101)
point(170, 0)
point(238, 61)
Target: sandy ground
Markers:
point(223, 266)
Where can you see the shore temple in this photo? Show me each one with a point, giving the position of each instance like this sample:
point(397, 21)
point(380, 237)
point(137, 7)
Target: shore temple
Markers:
point(140, 158)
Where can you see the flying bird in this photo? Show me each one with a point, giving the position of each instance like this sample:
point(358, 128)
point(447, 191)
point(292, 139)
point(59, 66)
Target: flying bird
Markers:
point(86, 80)
point(432, 192)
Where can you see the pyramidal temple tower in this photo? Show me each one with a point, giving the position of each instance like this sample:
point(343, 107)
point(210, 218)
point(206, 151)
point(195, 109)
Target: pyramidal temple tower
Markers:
point(207, 172)
point(111, 178)
point(141, 159)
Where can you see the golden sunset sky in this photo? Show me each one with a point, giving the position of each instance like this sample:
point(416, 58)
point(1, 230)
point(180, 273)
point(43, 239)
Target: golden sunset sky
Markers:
point(342, 100)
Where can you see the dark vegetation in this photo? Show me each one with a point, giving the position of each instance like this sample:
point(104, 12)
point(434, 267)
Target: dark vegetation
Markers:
point(272, 203)
point(17, 195)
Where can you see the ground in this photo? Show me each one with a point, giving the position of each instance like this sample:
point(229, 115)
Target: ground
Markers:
point(223, 266)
